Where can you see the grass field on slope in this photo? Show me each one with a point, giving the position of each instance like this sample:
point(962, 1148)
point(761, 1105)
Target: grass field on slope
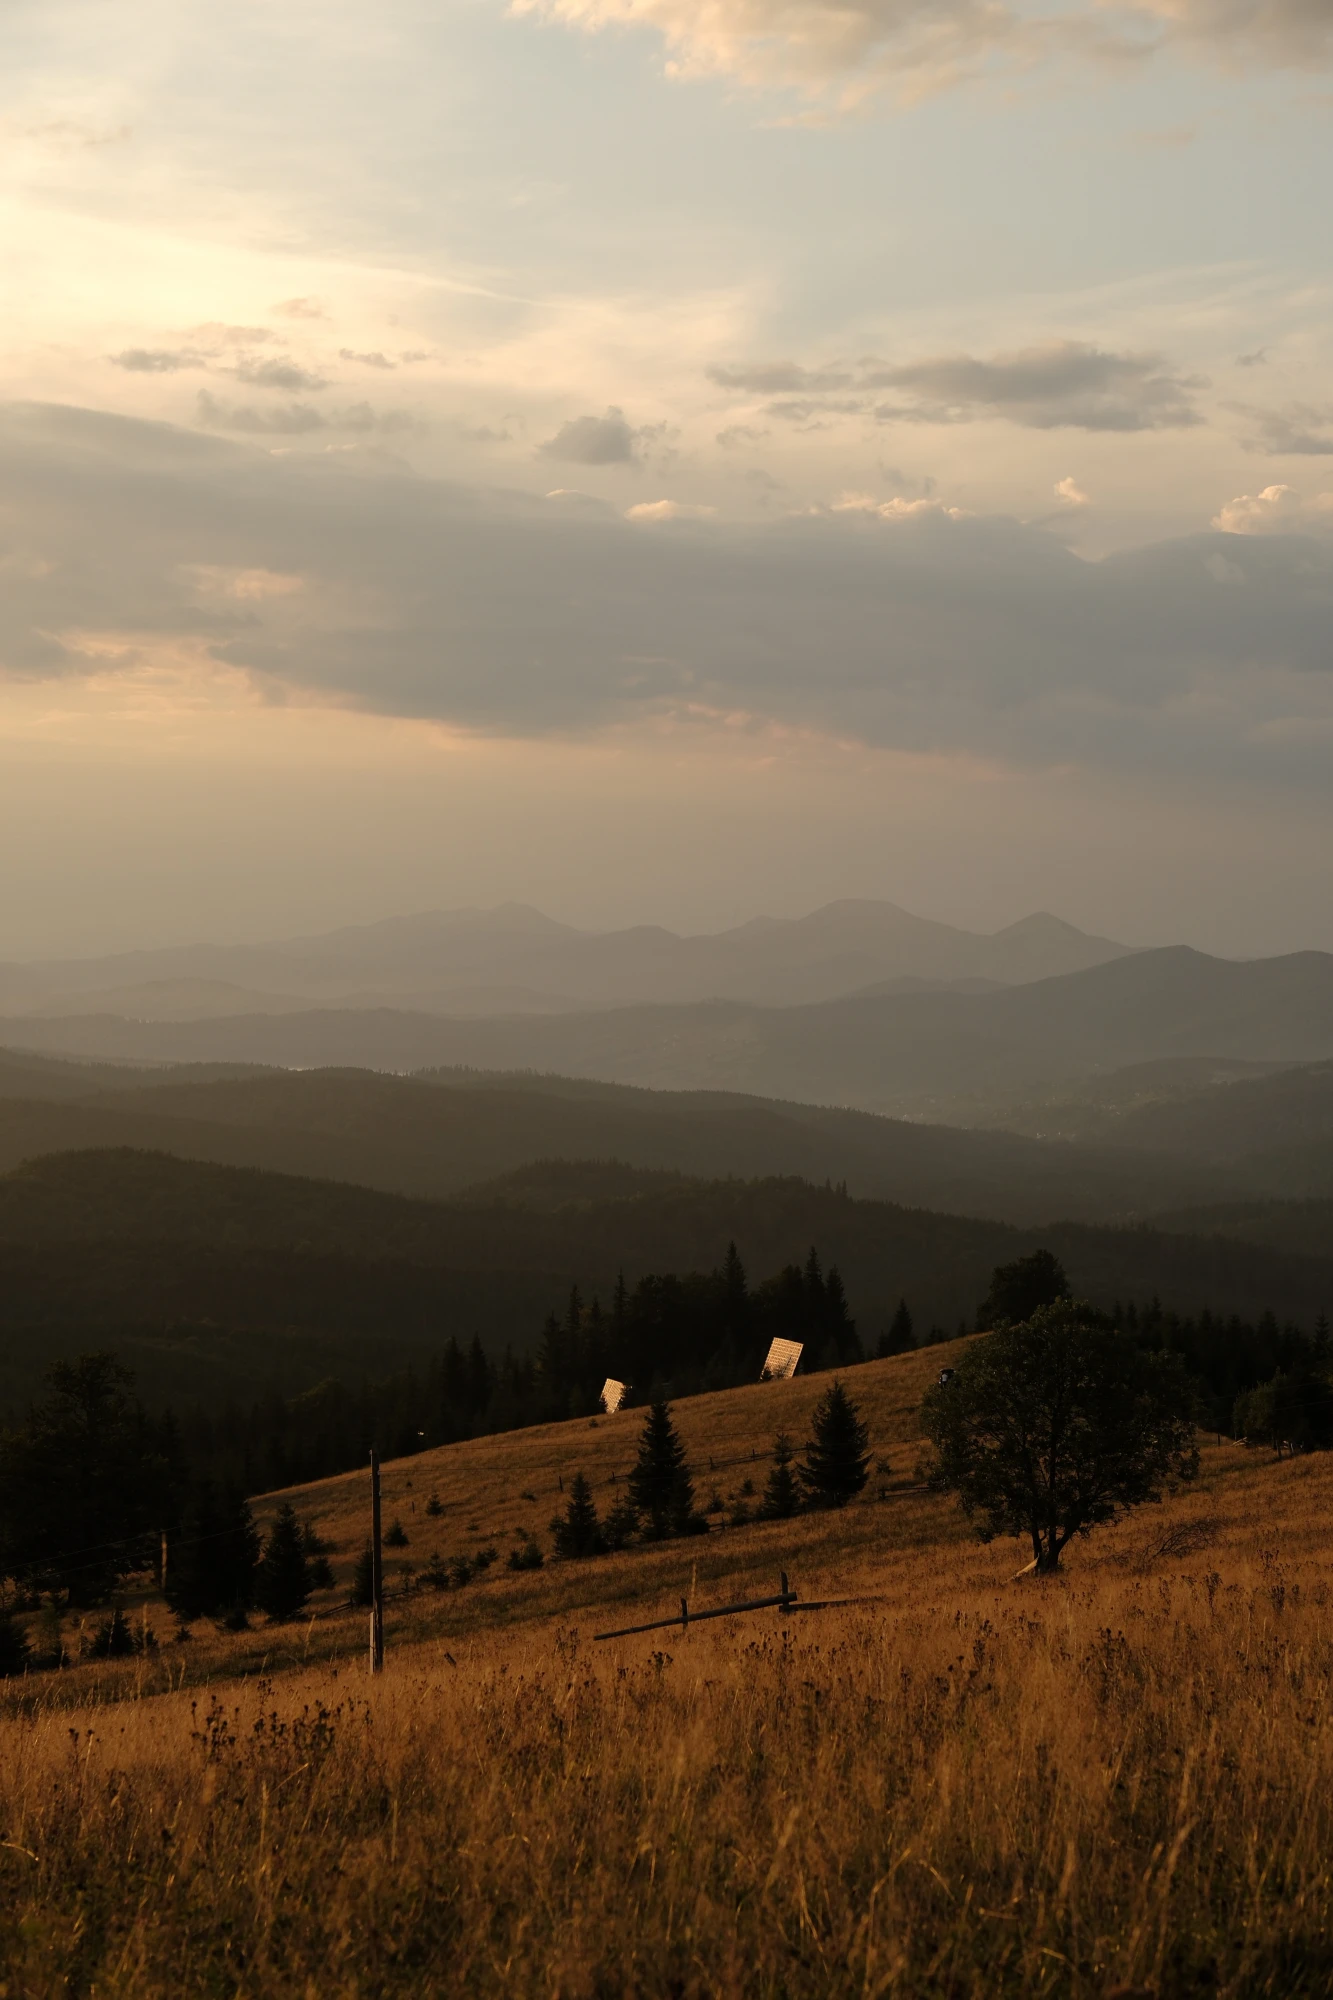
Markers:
point(1120, 1780)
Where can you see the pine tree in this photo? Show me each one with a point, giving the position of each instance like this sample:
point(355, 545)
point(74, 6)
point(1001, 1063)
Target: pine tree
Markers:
point(577, 1532)
point(837, 1456)
point(781, 1497)
point(660, 1486)
point(897, 1336)
point(283, 1580)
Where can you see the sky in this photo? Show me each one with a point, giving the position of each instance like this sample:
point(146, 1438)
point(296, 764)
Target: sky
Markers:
point(666, 461)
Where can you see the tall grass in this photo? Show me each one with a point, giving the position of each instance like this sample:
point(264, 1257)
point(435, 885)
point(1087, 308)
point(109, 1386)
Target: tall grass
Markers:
point(969, 1787)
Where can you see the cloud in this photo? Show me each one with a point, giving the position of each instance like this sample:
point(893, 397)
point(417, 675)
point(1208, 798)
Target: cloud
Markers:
point(776, 378)
point(1274, 509)
point(897, 508)
point(156, 360)
point(215, 334)
point(375, 360)
point(298, 419)
point(669, 510)
point(1299, 430)
point(275, 374)
point(302, 309)
point(901, 622)
point(846, 51)
point(607, 440)
point(1059, 384)
point(1071, 493)
point(293, 421)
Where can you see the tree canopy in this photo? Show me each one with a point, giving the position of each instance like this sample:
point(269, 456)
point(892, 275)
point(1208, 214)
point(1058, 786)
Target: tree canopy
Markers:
point(87, 1484)
point(1022, 1288)
point(1052, 1427)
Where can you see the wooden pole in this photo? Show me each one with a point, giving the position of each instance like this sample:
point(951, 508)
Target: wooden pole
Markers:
point(376, 1571)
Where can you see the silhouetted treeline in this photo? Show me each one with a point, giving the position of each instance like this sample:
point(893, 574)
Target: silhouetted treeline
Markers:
point(1229, 1357)
point(666, 1335)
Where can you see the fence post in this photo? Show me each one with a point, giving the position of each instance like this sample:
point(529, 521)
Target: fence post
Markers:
point(376, 1570)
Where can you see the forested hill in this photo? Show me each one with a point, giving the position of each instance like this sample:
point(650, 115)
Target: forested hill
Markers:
point(435, 1136)
point(219, 1280)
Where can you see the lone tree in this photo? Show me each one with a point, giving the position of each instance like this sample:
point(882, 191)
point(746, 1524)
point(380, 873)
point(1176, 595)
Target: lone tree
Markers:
point(837, 1455)
point(1050, 1428)
point(578, 1532)
point(781, 1496)
point(283, 1578)
point(660, 1487)
point(1022, 1288)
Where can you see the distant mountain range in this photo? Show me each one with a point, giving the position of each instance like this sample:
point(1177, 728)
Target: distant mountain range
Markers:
point(944, 1056)
point(515, 960)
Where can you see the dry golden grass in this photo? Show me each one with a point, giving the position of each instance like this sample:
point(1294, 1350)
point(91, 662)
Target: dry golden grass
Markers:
point(970, 1787)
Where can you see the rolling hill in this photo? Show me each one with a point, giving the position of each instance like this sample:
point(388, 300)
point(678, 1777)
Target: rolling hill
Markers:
point(437, 1134)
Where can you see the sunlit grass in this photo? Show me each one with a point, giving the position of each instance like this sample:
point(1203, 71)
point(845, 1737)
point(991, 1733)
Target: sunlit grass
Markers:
point(966, 1786)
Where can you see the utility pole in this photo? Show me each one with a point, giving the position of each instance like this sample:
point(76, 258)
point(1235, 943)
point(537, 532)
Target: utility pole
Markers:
point(376, 1570)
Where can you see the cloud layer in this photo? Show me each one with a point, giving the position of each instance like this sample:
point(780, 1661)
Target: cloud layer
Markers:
point(852, 48)
point(1059, 384)
point(890, 621)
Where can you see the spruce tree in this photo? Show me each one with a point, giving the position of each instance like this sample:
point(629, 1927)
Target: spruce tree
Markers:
point(837, 1455)
point(577, 1532)
point(897, 1336)
point(211, 1565)
point(660, 1486)
point(781, 1497)
point(283, 1581)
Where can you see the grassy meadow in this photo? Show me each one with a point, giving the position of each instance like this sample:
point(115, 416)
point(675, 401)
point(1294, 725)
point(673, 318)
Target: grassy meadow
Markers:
point(1117, 1781)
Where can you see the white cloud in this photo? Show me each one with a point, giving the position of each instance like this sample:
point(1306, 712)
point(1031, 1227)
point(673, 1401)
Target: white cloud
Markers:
point(894, 509)
point(1273, 509)
point(1071, 493)
point(668, 510)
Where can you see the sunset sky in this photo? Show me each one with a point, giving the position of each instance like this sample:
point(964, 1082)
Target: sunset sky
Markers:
point(666, 460)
